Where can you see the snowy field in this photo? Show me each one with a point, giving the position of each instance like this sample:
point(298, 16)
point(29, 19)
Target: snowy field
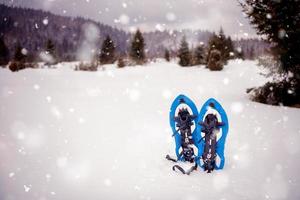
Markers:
point(104, 135)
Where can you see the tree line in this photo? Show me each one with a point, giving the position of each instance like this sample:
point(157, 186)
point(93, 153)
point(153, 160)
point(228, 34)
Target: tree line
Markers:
point(220, 49)
point(215, 55)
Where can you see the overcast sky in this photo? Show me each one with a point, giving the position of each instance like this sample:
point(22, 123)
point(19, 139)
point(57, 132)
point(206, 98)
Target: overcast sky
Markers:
point(152, 14)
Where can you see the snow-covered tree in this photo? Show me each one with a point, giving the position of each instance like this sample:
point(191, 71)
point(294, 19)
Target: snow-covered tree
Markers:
point(50, 52)
point(137, 49)
point(184, 53)
point(18, 62)
point(121, 62)
point(199, 55)
point(279, 22)
point(19, 54)
point(215, 62)
point(4, 52)
point(239, 53)
point(251, 53)
point(50, 47)
point(221, 43)
point(107, 54)
point(228, 49)
point(167, 55)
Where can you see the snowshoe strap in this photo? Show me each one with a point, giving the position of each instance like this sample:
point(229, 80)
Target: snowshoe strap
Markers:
point(170, 158)
point(183, 171)
point(179, 168)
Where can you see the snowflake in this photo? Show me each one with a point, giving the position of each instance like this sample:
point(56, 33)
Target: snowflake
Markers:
point(171, 16)
point(45, 21)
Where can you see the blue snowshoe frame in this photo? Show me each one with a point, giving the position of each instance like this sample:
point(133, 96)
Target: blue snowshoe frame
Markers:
point(182, 99)
point(221, 142)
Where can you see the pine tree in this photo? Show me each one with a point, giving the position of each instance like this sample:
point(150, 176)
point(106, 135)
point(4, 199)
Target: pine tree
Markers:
point(19, 55)
point(121, 62)
point(50, 47)
point(229, 49)
point(184, 53)
point(279, 22)
point(167, 55)
point(251, 53)
point(221, 43)
point(240, 53)
point(199, 55)
point(137, 50)
point(107, 54)
point(4, 52)
point(50, 52)
point(18, 62)
point(215, 60)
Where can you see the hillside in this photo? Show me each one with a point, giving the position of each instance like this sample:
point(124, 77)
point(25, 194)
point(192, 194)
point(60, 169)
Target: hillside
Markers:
point(32, 28)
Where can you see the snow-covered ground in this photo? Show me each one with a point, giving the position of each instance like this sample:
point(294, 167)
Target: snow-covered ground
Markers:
point(104, 135)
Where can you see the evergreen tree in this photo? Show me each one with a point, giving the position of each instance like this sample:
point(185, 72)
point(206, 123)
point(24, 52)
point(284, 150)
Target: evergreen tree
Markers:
point(214, 62)
point(167, 55)
point(50, 47)
point(184, 53)
point(107, 54)
point(19, 59)
point(50, 52)
point(4, 52)
point(221, 43)
point(137, 50)
point(251, 53)
point(279, 22)
point(240, 53)
point(121, 62)
point(19, 54)
point(199, 55)
point(229, 49)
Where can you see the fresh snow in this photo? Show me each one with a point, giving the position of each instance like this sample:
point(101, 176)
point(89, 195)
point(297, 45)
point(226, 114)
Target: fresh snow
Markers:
point(77, 135)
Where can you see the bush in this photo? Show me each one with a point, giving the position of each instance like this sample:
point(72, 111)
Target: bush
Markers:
point(214, 61)
point(285, 92)
point(121, 63)
point(90, 66)
point(16, 66)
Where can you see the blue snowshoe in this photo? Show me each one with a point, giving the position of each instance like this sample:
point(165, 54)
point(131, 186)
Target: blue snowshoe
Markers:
point(182, 121)
point(213, 124)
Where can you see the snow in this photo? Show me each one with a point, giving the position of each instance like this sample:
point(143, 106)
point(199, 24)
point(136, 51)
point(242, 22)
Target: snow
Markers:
point(69, 134)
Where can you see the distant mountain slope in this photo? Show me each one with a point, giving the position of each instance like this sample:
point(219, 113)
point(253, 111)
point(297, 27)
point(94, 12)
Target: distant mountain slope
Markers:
point(32, 28)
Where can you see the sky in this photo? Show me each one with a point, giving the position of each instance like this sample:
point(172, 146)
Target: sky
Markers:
point(149, 15)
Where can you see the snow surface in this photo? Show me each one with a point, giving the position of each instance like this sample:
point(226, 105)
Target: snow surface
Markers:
point(104, 135)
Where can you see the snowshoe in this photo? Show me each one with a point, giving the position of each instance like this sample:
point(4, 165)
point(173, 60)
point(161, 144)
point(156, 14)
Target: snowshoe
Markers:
point(182, 121)
point(213, 124)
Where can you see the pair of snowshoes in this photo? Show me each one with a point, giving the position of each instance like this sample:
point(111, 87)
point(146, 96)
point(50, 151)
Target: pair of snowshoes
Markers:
point(199, 136)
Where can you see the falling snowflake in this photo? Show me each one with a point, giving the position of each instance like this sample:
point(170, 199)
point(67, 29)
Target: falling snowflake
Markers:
point(107, 182)
point(171, 16)
point(237, 107)
point(36, 87)
point(124, 5)
point(45, 21)
point(27, 188)
point(124, 19)
point(226, 81)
